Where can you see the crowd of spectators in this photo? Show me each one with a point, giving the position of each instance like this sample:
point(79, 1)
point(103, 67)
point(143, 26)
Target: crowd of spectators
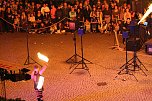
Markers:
point(49, 17)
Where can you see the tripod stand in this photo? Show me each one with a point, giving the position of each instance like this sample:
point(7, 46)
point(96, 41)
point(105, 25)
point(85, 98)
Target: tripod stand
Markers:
point(136, 63)
point(135, 60)
point(2, 82)
point(27, 61)
point(132, 62)
point(125, 67)
point(82, 62)
point(74, 58)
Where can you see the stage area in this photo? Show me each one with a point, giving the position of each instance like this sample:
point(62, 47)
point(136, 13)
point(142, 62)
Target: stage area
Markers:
point(59, 85)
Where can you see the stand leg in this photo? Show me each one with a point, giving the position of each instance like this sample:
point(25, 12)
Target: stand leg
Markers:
point(142, 64)
point(136, 65)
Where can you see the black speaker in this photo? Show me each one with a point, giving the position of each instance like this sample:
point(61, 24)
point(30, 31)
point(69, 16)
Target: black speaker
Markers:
point(133, 44)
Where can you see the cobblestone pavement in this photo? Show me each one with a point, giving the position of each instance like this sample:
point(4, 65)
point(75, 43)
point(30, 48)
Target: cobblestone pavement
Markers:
point(60, 85)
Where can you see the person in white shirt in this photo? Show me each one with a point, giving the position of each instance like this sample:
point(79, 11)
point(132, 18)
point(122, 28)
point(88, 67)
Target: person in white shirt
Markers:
point(45, 9)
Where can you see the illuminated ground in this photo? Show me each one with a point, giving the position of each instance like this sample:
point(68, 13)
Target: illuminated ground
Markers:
point(78, 86)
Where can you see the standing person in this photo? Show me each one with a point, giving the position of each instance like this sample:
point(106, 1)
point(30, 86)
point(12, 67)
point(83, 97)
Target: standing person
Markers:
point(59, 16)
point(79, 18)
point(107, 14)
point(86, 13)
point(72, 14)
point(94, 21)
point(52, 13)
point(35, 77)
point(65, 10)
point(127, 15)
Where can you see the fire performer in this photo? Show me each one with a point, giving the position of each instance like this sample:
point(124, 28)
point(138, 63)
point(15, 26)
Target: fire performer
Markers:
point(37, 77)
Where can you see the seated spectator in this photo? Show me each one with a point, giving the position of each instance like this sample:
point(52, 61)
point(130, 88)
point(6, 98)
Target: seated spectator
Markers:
point(16, 23)
point(53, 29)
point(39, 18)
point(47, 24)
point(66, 27)
point(59, 28)
point(23, 21)
point(42, 29)
point(103, 28)
point(87, 26)
point(120, 27)
point(116, 27)
point(33, 28)
point(32, 18)
point(94, 23)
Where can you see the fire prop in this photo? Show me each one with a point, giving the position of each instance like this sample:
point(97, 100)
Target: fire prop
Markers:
point(146, 14)
point(42, 57)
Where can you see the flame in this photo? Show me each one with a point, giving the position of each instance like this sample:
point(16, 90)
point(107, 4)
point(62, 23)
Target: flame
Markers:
point(146, 14)
point(42, 57)
point(40, 82)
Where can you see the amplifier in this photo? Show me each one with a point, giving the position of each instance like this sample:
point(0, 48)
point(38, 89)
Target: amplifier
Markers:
point(148, 48)
point(133, 44)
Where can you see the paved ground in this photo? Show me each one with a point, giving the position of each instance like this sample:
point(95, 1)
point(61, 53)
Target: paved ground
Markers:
point(79, 86)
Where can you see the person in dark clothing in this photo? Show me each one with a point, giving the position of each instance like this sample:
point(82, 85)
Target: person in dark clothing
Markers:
point(149, 26)
point(39, 19)
point(107, 14)
point(59, 16)
point(59, 13)
point(86, 13)
point(9, 17)
point(149, 20)
point(65, 10)
point(42, 29)
point(126, 28)
point(79, 18)
point(37, 8)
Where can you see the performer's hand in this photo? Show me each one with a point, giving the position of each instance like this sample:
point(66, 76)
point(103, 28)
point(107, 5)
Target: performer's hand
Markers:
point(46, 64)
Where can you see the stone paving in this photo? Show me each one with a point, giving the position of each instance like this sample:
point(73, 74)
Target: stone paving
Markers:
point(79, 86)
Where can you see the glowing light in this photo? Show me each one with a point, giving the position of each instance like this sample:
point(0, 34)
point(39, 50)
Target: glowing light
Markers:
point(146, 14)
point(40, 82)
point(42, 57)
